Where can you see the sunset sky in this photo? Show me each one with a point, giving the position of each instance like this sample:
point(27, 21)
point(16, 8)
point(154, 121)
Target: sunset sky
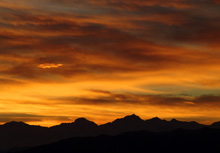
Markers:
point(105, 59)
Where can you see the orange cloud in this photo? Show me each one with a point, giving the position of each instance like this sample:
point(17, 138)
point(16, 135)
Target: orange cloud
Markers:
point(49, 65)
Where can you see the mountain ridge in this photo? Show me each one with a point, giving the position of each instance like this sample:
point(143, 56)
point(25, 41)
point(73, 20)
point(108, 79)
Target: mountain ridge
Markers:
point(20, 134)
point(128, 116)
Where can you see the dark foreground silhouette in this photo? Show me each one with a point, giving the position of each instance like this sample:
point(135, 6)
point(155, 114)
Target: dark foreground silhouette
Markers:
point(19, 136)
point(204, 140)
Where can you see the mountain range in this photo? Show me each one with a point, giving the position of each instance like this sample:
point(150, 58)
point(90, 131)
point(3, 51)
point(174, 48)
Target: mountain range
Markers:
point(203, 140)
point(19, 135)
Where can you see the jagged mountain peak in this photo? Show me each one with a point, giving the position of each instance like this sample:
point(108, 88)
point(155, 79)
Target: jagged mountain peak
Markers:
point(83, 121)
point(132, 117)
point(174, 120)
point(155, 119)
point(15, 124)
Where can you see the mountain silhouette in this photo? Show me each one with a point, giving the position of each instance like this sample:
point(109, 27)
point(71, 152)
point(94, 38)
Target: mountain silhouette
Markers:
point(81, 127)
point(83, 122)
point(215, 125)
point(15, 124)
point(21, 135)
point(178, 141)
point(128, 123)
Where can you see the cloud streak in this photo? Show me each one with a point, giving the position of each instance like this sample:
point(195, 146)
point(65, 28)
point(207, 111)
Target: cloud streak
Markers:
point(108, 98)
point(49, 65)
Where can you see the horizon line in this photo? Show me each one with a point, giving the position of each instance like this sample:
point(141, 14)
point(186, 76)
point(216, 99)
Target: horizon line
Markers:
point(165, 119)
